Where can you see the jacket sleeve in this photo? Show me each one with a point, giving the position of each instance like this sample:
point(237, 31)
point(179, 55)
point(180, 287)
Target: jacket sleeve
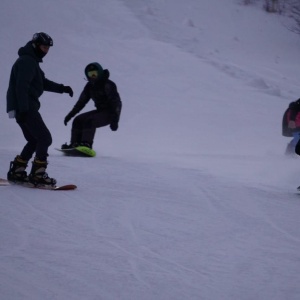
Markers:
point(114, 100)
point(82, 101)
point(51, 86)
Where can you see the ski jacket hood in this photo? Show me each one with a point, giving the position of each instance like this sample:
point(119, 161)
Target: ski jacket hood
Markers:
point(94, 67)
point(29, 50)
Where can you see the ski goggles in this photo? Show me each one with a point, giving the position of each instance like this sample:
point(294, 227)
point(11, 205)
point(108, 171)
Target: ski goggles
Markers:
point(93, 73)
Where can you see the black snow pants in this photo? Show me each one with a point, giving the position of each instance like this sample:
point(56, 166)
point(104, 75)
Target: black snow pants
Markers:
point(37, 135)
point(84, 125)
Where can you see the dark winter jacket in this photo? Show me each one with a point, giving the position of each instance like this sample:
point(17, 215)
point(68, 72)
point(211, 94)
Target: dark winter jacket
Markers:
point(105, 95)
point(28, 82)
point(292, 113)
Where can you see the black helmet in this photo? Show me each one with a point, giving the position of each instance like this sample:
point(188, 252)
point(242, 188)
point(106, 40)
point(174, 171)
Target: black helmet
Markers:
point(42, 38)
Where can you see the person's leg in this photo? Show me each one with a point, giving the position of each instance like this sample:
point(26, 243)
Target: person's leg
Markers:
point(37, 135)
point(84, 126)
point(292, 148)
point(38, 139)
point(76, 130)
point(296, 137)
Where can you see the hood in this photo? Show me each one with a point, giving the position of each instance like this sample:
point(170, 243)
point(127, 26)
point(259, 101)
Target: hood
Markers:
point(92, 67)
point(29, 50)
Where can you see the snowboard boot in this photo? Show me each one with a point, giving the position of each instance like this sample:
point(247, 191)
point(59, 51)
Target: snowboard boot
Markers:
point(66, 146)
point(74, 145)
point(70, 146)
point(86, 144)
point(17, 171)
point(38, 174)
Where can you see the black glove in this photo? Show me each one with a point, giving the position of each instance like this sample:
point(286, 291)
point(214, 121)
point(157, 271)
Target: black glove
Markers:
point(114, 126)
point(68, 90)
point(21, 117)
point(68, 117)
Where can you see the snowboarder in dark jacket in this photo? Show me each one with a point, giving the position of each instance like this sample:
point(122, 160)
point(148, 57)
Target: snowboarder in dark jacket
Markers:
point(291, 125)
point(27, 83)
point(104, 93)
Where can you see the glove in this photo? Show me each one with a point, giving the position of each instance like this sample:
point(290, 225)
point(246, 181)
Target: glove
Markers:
point(292, 124)
point(68, 90)
point(68, 117)
point(21, 117)
point(114, 126)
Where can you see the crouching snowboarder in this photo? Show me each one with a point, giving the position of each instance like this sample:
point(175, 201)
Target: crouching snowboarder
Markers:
point(104, 93)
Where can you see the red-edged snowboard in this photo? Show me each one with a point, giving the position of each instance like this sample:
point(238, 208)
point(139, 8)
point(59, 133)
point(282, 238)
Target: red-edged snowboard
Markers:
point(66, 187)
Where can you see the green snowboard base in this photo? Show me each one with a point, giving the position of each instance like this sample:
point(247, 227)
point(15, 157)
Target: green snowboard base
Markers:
point(81, 151)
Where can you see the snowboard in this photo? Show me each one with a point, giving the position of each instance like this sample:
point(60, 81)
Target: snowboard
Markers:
point(80, 151)
point(66, 187)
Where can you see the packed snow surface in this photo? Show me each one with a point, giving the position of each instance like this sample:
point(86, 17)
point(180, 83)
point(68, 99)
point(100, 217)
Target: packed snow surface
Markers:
point(193, 197)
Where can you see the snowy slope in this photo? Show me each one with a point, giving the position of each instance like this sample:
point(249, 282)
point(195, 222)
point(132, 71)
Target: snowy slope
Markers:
point(192, 198)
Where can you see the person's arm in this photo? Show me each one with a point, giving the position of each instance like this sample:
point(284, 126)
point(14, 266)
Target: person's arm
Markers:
point(80, 104)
